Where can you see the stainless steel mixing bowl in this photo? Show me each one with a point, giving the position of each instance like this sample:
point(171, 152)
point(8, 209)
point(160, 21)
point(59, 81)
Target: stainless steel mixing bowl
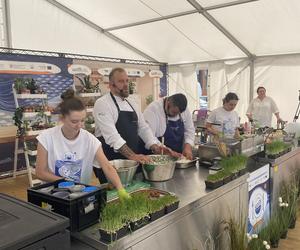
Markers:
point(160, 169)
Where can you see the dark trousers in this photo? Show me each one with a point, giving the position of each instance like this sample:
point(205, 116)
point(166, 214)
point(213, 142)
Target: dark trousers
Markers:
point(100, 175)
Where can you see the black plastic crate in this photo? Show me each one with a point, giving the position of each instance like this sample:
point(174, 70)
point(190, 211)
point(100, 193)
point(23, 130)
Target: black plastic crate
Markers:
point(82, 211)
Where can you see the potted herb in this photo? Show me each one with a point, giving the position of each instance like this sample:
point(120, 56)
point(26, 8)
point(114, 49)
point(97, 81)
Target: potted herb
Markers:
point(275, 149)
point(156, 208)
point(137, 212)
point(214, 181)
point(275, 230)
point(31, 85)
point(112, 226)
point(171, 203)
point(19, 85)
point(237, 233)
point(87, 86)
point(18, 121)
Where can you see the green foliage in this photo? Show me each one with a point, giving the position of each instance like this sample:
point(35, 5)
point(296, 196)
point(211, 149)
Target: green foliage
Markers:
point(112, 218)
point(256, 244)
point(19, 85)
point(276, 147)
point(237, 233)
point(117, 214)
point(233, 163)
point(289, 194)
point(18, 121)
point(31, 85)
point(230, 165)
point(220, 175)
point(274, 227)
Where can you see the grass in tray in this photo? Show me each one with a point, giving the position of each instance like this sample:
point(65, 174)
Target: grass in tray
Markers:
point(112, 217)
point(234, 163)
point(220, 175)
point(117, 214)
point(276, 147)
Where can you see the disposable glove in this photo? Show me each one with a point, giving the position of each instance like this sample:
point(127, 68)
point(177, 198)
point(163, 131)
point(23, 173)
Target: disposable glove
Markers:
point(123, 195)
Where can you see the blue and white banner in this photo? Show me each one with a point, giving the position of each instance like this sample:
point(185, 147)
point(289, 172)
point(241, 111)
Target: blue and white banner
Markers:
point(50, 73)
point(259, 199)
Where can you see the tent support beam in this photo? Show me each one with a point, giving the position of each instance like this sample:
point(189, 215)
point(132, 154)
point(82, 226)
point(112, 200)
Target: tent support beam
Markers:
point(99, 29)
point(7, 23)
point(185, 13)
point(238, 58)
point(214, 22)
point(229, 4)
point(152, 20)
point(211, 61)
point(251, 85)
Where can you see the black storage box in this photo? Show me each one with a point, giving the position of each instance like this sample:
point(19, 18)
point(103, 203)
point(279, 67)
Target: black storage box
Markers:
point(28, 227)
point(82, 211)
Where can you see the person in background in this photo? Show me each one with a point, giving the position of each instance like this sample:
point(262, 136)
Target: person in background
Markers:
point(119, 124)
point(68, 151)
point(169, 118)
point(224, 121)
point(261, 109)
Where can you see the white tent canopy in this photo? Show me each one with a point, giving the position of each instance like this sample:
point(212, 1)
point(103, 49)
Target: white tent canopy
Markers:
point(176, 32)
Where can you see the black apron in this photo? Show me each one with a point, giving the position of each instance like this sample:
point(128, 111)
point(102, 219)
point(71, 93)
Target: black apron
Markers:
point(127, 127)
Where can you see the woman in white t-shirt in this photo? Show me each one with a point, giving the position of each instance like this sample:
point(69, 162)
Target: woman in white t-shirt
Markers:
point(224, 121)
point(68, 151)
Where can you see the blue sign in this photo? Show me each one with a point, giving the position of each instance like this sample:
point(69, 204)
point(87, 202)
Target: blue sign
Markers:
point(259, 199)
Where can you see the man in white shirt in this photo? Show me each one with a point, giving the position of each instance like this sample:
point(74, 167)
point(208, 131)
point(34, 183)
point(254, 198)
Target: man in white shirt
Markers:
point(261, 109)
point(170, 119)
point(119, 123)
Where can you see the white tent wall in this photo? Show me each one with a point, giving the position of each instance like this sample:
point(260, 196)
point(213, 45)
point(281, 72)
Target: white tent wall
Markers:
point(39, 25)
point(227, 77)
point(281, 77)
point(183, 79)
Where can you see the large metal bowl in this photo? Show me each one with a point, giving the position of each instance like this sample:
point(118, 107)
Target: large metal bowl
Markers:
point(160, 169)
point(126, 170)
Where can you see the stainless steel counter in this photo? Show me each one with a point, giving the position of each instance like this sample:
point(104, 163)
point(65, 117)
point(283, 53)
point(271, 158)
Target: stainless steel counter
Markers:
point(189, 226)
point(282, 169)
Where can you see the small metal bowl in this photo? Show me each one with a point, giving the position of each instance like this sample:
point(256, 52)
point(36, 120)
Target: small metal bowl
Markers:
point(186, 164)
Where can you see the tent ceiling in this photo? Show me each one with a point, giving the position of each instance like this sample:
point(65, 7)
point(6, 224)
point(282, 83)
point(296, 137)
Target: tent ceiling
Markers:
point(269, 26)
point(172, 31)
point(163, 40)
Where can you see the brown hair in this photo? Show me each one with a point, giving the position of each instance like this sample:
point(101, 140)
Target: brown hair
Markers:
point(260, 87)
point(70, 103)
point(230, 96)
point(111, 74)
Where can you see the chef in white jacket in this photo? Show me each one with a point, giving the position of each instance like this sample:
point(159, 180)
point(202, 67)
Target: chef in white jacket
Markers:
point(262, 108)
point(169, 118)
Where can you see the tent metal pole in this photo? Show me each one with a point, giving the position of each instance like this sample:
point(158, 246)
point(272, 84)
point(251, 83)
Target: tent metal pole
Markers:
point(214, 22)
point(277, 55)
point(211, 61)
point(238, 58)
point(229, 4)
point(99, 29)
point(152, 20)
point(251, 85)
point(7, 23)
point(185, 13)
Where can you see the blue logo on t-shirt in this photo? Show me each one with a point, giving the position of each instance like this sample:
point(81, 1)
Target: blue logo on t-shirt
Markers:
point(69, 167)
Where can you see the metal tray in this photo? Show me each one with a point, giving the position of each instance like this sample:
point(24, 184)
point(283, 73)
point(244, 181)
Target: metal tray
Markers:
point(161, 192)
point(191, 163)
